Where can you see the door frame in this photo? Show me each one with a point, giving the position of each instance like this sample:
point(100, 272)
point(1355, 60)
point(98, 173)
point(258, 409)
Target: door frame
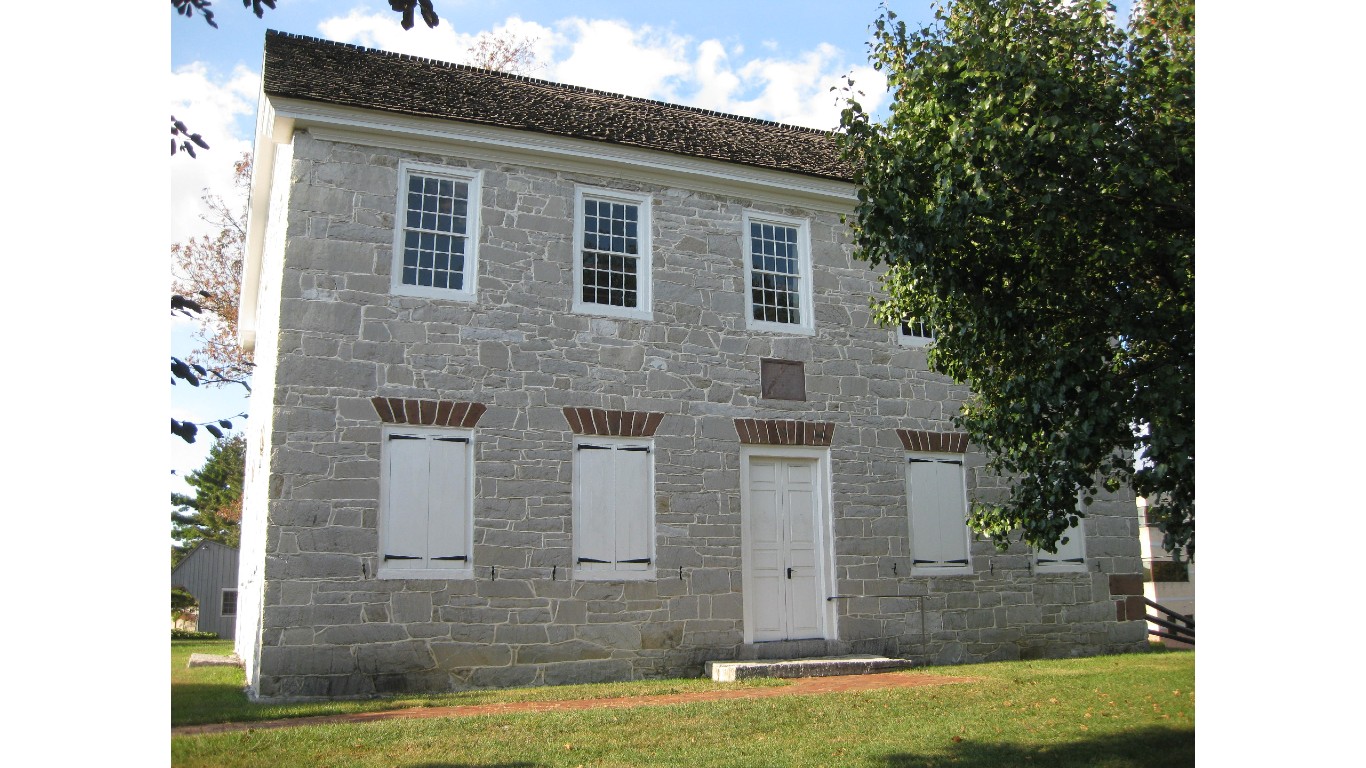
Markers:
point(825, 539)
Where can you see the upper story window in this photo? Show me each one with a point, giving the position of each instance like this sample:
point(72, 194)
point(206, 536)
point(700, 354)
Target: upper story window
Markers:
point(436, 243)
point(427, 500)
point(612, 251)
point(915, 332)
point(778, 268)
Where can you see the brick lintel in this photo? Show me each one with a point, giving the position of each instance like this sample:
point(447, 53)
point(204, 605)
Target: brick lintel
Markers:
point(612, 423)
point(429, 413)
point(925, 440)
point(784, 432)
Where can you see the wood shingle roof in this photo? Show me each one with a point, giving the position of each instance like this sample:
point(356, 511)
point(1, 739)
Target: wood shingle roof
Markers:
point(311, 69)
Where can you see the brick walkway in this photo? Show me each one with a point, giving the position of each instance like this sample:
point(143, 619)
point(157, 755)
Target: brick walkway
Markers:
point(806, 686)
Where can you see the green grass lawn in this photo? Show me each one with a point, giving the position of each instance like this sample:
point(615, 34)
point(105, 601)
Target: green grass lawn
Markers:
point(215, 694)
point(1110, 712)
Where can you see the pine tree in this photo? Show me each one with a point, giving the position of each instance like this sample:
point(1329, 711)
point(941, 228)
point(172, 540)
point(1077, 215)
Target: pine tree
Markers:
point(214, 513)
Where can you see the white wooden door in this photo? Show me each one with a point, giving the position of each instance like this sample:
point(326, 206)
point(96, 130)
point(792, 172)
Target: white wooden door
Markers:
point(784, 593)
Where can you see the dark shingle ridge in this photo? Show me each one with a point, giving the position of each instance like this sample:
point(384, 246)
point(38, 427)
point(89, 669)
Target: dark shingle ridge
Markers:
point(299, 66)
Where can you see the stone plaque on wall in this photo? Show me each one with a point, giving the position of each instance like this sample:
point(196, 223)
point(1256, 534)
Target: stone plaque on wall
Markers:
point(782, 380)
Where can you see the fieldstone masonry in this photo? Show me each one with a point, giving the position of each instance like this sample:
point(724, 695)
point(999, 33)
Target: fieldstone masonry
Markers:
point(528, 373)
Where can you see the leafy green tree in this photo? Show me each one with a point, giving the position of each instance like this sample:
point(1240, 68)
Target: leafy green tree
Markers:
point(214, 513)
point(1031, 194)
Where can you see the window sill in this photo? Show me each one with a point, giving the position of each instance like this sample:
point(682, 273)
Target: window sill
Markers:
point(619, 313)
point(787, 329)
point(935, 572)
point(425, 573)
point(1044, 570)
point(583, 575)
point(424, 292)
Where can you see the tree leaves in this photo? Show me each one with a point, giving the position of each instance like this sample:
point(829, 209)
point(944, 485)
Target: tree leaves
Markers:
point(406, 8)
point(1031, 195)
point(190, 141)
point(214, 513)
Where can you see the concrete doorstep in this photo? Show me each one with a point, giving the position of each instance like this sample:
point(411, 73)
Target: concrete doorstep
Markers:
point(211, 660)
point(730, 671)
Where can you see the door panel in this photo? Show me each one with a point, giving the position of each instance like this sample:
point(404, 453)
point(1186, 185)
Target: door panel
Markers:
point(784, 591)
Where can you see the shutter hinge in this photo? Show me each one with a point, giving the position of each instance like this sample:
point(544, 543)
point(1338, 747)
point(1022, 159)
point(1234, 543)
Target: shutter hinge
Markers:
point(452, 557)
point(645, 560)
point(402, 557)
point(404, 437)
point(453, 439)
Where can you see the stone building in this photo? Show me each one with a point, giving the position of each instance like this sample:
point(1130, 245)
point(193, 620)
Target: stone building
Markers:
point(558, 385)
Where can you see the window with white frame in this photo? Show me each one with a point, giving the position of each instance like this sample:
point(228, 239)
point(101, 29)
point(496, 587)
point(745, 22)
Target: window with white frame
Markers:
point(228, 603)
point(436, 241)
point(612, 252)
point(1071, 554)
point(936, 493)
point(778, 268)
point(426, 482)
point(915, 332)
point(613, 508)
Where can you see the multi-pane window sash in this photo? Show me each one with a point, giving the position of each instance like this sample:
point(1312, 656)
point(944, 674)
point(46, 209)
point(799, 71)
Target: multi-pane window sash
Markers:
point(435, 232)
point(775, 275)
point(917, 328)
point(611, 253)
point(228, 607)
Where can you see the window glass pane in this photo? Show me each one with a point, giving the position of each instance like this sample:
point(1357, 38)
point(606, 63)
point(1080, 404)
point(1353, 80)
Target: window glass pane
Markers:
point(610, 231)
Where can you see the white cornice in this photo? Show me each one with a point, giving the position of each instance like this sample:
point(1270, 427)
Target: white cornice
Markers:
point(484, 142)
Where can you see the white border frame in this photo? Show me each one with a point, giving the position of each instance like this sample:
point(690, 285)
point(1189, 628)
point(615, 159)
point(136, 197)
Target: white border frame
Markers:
point(643, 201)
point(961, 458)
point(579, 574)
point(807, 327)
point(825, 531)
point(474, 178)
point(381, 572)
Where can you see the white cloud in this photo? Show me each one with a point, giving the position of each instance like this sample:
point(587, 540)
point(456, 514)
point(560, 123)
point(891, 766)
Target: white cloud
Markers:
point(444, 43)
point(210, 106)
point(611, 55)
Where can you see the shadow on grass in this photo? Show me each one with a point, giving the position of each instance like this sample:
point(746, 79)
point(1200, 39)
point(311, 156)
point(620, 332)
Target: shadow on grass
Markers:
point(1145, 748)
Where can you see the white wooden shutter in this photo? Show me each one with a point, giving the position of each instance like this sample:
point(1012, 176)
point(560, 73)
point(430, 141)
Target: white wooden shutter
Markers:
point(939, 538)
point(632, 507)
point(595, 535)
point(405, 524)
point(1070, 556)
point(448, 493)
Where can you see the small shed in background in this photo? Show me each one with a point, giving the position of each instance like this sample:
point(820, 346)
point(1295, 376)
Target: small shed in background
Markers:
point(209, 573)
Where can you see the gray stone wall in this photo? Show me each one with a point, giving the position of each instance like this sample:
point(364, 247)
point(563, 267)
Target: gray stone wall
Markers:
point(331, 629)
